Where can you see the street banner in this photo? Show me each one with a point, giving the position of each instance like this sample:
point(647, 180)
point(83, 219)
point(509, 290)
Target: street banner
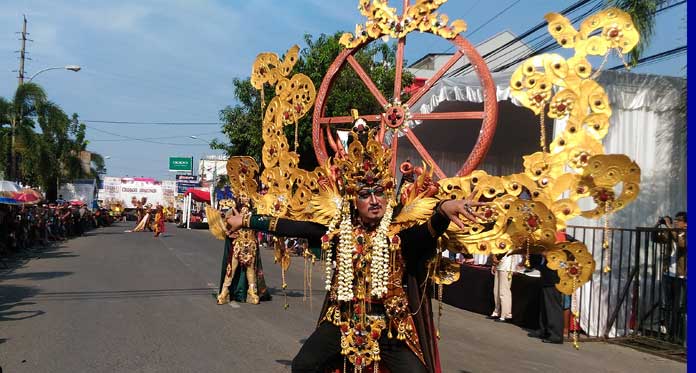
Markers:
point(169, 192)
point(182, 186)
point(181, 164)
point(189, 178)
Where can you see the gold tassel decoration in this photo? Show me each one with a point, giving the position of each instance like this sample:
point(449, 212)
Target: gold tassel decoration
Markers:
point(297, 143)
point(401, 331)
point(263, 101)
point(606, 247)
point(597, 72)
point(286, 305)
point(575, 314)
point(527, 263)
point(542, 130)
point(311, 268)
point(439, 308)
point(304, 282)
point(623, 59)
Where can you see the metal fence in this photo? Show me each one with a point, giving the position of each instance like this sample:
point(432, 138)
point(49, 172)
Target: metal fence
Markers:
point(641, 295)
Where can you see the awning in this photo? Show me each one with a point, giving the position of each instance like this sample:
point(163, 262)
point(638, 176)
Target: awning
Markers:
point(198, 195)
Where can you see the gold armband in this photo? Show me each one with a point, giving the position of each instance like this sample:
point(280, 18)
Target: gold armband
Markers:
point(431, 229)
point(272, 224)
point(246, 220)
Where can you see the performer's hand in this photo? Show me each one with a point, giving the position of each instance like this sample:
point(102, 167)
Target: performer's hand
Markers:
point(453, 208)
point(234, 221)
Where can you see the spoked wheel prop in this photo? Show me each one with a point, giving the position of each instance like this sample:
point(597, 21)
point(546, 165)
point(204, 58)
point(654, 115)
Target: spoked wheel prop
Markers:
point(396, 115)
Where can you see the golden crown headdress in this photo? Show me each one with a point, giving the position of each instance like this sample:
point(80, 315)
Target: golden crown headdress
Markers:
point(363, 165)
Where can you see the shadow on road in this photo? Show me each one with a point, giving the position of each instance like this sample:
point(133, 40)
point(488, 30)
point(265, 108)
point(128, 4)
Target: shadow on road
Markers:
point(12, 297)
point(56, 255)
point(100, 233)
point(18, 259)
point(120, 294)
point(36, 275)
point(292, 293)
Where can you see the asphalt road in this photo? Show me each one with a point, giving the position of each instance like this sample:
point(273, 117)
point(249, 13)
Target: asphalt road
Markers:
point(126, 302)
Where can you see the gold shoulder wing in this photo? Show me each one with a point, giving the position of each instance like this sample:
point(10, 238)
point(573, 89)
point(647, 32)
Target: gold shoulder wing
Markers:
point(415, 212)
point(216, 225)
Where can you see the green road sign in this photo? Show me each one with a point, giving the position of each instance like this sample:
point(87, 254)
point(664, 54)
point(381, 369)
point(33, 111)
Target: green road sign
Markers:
point(181, 164)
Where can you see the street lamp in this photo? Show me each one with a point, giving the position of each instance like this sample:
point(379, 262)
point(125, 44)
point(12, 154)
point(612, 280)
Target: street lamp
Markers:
point(74, 68)
point(198, 138)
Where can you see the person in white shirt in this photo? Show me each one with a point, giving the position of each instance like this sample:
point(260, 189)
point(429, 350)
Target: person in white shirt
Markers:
point(503, 269)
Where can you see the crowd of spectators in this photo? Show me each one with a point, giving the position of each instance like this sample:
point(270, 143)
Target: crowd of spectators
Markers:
point(24, 227)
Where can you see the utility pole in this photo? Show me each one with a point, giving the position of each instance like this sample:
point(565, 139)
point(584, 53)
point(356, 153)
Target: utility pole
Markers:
point(22, 51)
point(22, 56)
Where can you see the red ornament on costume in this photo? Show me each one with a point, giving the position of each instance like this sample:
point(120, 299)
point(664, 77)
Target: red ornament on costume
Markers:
point(532, 222)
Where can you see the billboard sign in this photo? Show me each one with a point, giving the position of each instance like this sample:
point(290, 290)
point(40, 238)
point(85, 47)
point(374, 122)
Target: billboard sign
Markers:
point(182, 186)
point(181, 164)
point(187, 178)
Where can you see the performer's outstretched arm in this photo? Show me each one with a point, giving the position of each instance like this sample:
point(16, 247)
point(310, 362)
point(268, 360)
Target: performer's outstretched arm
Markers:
point(419, 243)
point(278, 226)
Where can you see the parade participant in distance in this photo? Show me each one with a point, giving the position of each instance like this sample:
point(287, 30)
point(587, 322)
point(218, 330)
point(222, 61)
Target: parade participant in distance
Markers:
point(241, 277)
point(158, 224)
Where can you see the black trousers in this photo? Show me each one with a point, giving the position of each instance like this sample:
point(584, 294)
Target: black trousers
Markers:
point(551, 314)
point(322, 350)
point(673, 306)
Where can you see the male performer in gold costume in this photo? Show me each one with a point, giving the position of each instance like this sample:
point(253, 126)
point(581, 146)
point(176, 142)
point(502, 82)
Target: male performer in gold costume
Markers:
point(377, 310)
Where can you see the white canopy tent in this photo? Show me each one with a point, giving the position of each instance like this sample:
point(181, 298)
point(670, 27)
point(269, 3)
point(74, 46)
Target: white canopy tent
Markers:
point(646, 126)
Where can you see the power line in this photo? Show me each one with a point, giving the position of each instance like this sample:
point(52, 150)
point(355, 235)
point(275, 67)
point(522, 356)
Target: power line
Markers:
point(486, 23)
point(549, 45)
point(572, 8)
point(657, 57)
point(146, 140)
point(157, 138)
point(552, 45)
point(493, 18)
point(542, 40)
point(94, 121)
point(481, 26)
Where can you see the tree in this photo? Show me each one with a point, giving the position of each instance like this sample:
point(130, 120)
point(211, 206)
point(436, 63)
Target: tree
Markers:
point(47, 142)
point(243, 121)
point(19, 115)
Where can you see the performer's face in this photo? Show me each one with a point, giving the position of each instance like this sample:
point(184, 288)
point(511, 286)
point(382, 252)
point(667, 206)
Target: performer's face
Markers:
point(371, 203)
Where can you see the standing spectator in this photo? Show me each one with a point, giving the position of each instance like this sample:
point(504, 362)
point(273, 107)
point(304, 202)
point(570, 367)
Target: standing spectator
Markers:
point(502, 269)
point(673, 305)
point(551, 321)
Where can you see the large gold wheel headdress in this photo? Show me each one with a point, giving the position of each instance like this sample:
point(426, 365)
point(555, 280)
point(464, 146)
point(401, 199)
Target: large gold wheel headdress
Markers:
point(555, 180)
point(383, 22)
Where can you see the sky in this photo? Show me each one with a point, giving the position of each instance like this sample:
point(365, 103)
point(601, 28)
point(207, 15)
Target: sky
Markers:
point(174, 61)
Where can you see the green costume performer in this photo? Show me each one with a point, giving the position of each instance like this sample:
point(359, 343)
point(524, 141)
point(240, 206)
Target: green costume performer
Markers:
point(238, 285)
point(241, 275)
